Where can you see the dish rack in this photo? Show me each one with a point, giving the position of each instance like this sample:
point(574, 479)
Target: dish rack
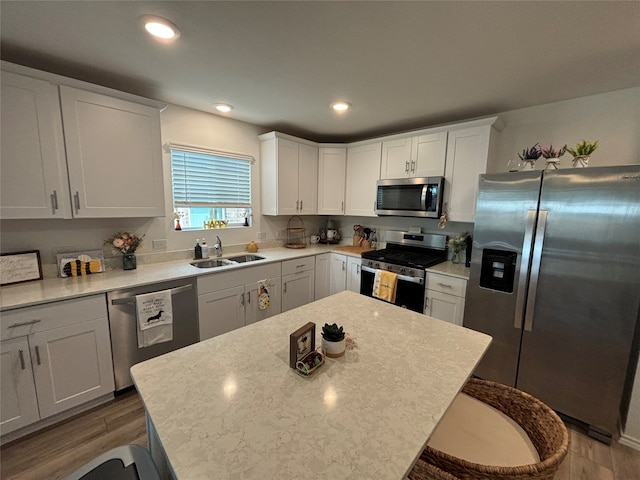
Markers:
point(296, 233)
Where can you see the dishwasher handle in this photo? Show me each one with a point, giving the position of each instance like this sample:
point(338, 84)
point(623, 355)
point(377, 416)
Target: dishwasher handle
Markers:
point(132, 300)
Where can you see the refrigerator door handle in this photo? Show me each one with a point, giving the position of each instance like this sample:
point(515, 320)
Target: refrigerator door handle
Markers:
point(524, 268)
point(535, 269)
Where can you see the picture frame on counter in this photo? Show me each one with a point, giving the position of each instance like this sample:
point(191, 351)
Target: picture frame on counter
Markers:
point(19, 267)
point(301, 343)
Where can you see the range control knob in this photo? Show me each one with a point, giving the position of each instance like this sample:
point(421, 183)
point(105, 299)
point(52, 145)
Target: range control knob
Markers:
point(389, 267)
point(377, 265)
point(404, 270)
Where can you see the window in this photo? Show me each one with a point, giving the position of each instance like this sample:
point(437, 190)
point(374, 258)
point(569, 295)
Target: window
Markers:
point(210, 186)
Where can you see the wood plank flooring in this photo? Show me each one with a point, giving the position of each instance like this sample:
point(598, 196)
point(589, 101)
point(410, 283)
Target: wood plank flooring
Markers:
point(56, 451)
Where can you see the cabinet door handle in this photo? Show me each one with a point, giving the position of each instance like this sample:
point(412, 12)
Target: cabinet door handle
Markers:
point(358, 269)
point(297, 205)
point(249, 297)
point(406, 167)
point(444, 285)
point(22, 324)
point(38, 355)
point(284, 287)
point(22, 364)
point(242, 299)
point(301, 205)
point(413, 166)
point(54, 202)
point(342, 207)
point(344, 266)
point(76, 201)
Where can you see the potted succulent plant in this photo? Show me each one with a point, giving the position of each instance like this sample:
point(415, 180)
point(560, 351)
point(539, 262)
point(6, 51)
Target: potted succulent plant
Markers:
point(333, 341)
point(552, 155)
point(582, 152)
point(529, 156)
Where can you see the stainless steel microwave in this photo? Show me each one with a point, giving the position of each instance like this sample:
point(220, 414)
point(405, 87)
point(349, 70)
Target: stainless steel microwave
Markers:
point(410, 197)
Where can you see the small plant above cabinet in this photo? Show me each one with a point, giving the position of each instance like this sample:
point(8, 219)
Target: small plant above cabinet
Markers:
point(112, 145)
point(289, 173)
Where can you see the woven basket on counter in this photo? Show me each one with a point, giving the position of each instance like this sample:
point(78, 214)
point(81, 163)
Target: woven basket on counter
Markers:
point(296, 233)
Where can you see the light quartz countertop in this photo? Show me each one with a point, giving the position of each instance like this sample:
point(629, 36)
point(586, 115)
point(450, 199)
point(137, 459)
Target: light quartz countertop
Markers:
point(230, 407)
point(451, 269)
point(54, 289)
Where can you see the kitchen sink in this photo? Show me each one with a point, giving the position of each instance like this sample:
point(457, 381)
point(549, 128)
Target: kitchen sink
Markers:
point(212, 263)
point(246, 258)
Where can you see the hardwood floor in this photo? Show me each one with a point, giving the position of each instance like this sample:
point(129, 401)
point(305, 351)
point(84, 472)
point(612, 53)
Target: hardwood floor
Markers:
point(56, 451)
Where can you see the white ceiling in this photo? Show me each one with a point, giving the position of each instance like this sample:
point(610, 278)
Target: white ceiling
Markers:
point(402, 65)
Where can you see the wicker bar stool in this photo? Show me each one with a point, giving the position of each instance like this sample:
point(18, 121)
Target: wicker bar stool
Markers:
point(542, 425)
point(425, 471)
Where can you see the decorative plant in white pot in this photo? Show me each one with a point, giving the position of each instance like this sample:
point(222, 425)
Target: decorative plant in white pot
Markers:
point(333, 341)
point(582, 152)
point(529, 156)
point(552, 155)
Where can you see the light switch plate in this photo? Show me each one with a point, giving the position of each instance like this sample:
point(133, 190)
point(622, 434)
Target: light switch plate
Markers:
point(159, 244)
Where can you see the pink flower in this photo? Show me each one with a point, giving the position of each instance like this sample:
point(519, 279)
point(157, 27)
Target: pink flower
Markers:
point(118, 243)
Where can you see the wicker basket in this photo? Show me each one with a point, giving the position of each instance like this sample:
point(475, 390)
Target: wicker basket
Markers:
point(296, 233)
point(543, 426)
point(425, 471)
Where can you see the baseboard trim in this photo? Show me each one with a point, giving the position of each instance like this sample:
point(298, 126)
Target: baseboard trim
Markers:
point(629, 442)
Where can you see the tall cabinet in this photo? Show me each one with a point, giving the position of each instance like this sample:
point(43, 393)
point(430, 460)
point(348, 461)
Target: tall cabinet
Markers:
point(289, 173)
point(332, 165)
point(363, 171)
point(68, 151)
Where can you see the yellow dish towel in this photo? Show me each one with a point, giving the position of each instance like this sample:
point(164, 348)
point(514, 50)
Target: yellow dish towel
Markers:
point(384, 285)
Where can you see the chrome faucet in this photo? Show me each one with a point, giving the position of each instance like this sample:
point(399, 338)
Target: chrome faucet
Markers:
point(218, 247)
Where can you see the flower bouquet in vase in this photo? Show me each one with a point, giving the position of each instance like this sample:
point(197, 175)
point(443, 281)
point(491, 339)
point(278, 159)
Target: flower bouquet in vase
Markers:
point(125, 243)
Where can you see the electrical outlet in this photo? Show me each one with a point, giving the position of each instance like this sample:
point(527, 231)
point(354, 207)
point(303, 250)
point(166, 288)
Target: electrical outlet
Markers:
point(159, 244)
point(262, 235)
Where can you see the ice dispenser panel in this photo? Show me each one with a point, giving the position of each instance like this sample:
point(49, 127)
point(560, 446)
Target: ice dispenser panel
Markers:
point(498, 270)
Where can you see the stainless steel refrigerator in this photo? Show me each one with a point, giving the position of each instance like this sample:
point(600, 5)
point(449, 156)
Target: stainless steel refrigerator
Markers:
point(555, 280)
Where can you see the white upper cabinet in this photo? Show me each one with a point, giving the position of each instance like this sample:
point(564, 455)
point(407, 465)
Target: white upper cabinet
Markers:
point(71, 153)
point(467, 152)
point(417, 156)
point(113, 147)
point(363, 171)
point(289, 172)
point(332, 168)
point(33, 172)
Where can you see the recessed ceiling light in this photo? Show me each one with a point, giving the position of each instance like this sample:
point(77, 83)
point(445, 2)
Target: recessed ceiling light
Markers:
point(160, 27)
point(223, 107)
point(341, 106)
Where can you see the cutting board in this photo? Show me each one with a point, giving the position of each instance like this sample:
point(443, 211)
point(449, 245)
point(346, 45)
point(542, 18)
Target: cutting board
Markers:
point(352, 249)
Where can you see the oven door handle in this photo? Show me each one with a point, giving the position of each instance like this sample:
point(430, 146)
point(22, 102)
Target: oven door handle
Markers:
point(402, 278)
point(132, 300)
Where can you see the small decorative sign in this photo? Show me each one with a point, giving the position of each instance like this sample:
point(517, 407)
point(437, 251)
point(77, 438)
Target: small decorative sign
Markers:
point(301, 343)
point(77, 264)
point(20, 267)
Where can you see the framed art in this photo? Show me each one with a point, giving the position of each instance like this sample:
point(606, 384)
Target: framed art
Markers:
point(301, 343)
point(20, 267)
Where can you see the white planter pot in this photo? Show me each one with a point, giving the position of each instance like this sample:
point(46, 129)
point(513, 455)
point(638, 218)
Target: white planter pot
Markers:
point(333, 349)
point(581, 161)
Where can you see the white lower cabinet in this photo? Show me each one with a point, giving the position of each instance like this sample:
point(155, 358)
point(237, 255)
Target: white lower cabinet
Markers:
point(353, 273)
point(445, 297)
point(229, 300)
point(54, 357)
point(338, 273)
point(322, 273)
point(298, 282)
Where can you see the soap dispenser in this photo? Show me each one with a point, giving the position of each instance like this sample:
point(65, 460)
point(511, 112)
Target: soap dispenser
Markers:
point(205, 248)
point(198, 249)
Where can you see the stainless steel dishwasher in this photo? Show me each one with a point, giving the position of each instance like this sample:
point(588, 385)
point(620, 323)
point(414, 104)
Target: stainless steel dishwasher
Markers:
point(122, 323)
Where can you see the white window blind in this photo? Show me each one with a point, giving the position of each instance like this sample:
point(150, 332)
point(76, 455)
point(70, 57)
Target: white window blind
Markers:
point(210, 179)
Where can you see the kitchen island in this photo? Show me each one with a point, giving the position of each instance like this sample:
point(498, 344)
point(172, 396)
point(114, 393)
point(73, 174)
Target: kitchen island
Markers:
point(230, 407)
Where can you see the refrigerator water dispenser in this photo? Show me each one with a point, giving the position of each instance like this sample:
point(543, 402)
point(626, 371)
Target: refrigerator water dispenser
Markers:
point(498, 270)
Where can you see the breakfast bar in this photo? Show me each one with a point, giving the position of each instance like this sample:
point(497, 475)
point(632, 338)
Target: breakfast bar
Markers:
point(231, 407)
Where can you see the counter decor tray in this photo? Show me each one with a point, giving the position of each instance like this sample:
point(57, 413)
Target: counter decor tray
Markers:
point(310, 363)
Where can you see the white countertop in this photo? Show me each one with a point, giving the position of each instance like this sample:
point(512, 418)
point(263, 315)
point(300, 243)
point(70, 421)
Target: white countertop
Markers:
point(230, 407)
point(53, 289)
